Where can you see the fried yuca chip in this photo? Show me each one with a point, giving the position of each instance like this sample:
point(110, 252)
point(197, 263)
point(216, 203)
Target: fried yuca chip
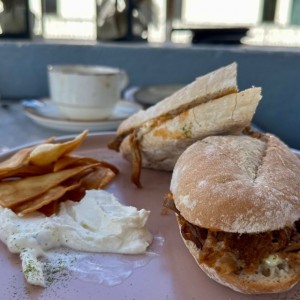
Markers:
point(15, 192)
point(46, 154)
point(51, 195)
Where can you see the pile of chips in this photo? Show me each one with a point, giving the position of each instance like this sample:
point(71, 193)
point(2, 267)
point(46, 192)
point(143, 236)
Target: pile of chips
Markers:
point(40, 177)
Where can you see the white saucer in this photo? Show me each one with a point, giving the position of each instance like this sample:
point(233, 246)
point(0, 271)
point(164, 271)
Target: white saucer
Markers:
point(45, 113)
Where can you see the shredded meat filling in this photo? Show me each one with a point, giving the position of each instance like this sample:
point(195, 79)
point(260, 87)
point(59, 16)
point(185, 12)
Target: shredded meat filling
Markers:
point(136, 159)
point(235, 253)
point(248, 250)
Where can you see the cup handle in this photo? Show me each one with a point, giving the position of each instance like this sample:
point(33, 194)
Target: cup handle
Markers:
point(124, 80)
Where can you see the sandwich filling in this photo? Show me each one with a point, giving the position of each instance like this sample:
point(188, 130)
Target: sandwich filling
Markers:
point(135, 138)
point(265, 253)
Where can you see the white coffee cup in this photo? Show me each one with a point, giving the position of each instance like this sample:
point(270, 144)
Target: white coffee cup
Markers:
point(86, 92)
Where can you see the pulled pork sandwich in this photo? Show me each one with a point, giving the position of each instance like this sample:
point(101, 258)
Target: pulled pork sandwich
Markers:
point(211, 105)
point(237, 201)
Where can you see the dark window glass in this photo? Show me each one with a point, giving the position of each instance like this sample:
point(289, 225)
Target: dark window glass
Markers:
point(269, 10)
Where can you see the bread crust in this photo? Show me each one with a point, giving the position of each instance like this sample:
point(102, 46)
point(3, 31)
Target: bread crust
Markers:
point(210, 86)
point(256, 284)
point(238, 184)
point(161, 147)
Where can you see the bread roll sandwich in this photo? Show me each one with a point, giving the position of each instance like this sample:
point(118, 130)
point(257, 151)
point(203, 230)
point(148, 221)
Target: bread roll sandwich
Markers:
point(237, 201)
point(211, 105)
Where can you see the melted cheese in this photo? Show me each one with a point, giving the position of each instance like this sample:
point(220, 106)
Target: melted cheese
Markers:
point(273, 261)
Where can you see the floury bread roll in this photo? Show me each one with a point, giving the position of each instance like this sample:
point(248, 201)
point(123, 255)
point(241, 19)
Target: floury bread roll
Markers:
point(211, 105)
point(237, 201)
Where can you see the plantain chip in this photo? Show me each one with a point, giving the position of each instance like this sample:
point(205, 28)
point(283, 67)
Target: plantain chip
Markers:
point(20, 158)
point(97, 179)
point(49, 196)
point(46, 154)
point(14, 192)
point(24, 171)
point(42, 176)
point(50, 208)
point(74, 195)
point(19, 163)
point(71, 161)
